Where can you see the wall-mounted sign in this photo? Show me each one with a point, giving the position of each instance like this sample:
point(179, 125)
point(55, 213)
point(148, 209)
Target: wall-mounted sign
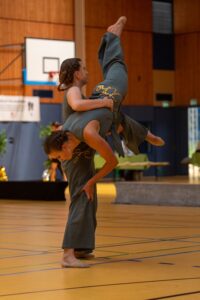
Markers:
point(19, 108)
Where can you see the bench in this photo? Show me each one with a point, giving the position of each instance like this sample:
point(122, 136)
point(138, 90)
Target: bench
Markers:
point(195, 159)
point(194, 165)
point(137, 163)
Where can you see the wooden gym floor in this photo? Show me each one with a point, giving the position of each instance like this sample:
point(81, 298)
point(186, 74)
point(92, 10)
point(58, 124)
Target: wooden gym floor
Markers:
point(142, 252)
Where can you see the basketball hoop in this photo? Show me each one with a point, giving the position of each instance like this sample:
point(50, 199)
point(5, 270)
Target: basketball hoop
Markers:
point(53, 76)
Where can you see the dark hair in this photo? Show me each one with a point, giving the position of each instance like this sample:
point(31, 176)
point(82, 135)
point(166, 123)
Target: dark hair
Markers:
point(66, 75)
point(55, 141)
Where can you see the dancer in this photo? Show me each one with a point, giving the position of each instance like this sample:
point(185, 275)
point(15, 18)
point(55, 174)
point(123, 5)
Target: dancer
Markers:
point(91, 127)
point(79, 236)
point(73, 76)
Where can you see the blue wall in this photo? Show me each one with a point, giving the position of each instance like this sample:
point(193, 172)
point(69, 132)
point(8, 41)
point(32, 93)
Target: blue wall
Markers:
point(171, 124)
point(24, 158)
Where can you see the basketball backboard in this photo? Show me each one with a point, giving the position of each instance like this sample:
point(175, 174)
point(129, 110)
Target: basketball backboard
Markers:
point(43, 58)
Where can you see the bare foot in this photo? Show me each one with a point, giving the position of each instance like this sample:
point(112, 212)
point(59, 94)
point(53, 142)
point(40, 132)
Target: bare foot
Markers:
point(72, 262)
point(154, 140)
point(84, 255)
point(118, 26)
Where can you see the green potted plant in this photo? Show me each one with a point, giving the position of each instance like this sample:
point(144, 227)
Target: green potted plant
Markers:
point(45, 131)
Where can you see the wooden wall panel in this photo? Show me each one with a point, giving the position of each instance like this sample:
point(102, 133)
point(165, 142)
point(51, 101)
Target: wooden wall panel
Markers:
point(187, 47)
point(187, 68)
point(55, 20)
point(164, 82)
point(138, 56)
point(15, 31)
point(41, 19)
point(103, 13)
point(44, 11)
point(93, 37)
point(136, 39)
point(186, 16)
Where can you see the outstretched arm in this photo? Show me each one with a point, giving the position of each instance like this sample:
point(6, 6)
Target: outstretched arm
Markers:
point(75, 100)
point(95, 141)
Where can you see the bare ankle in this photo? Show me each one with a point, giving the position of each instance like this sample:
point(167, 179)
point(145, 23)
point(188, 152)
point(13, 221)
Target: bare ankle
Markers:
point(68, 253)
point(154, 140)
point(117, 28)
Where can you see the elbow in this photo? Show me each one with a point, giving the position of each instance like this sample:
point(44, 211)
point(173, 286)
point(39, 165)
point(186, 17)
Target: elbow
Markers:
point(76, 107)
point(114, 162)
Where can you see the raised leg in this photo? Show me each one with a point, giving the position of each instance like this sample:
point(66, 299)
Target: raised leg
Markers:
point(117, 28)
point(110, 50)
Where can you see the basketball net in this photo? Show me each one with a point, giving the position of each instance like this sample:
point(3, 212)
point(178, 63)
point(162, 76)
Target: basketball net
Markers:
point(53, 76)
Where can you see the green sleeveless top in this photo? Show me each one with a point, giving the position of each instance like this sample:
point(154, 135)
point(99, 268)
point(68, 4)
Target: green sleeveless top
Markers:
point(77, 121)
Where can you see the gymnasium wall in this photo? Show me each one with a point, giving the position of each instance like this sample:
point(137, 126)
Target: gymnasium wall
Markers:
point(187, 51)
point(55, 20)
point(136, 41)
point(152, 68)
point(171, 124)
point(34, 18)
point(24, 158)
point(163, 53)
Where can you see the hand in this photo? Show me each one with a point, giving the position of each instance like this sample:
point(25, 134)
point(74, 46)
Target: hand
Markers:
point(108, 103)
point(60, 128)
point(57, 128)
point(89, 190)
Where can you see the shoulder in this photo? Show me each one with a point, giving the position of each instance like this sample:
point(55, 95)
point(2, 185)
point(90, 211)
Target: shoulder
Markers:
point(72, 90)
point(73, 93)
